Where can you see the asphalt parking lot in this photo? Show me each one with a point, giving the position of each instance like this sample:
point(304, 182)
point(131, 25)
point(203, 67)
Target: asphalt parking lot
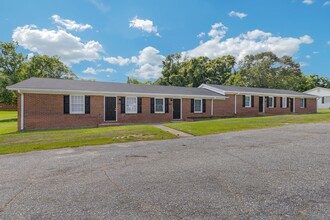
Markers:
point(278, 173)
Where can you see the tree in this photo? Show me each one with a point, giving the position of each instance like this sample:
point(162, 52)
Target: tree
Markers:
point(266, 70)
point(15, 67)
point(195, 71)
point(46, 67)
point(135, 81)
point(10, 66)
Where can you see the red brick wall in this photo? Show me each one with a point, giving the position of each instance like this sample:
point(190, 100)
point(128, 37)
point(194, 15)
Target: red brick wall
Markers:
point(227, 107)
point(6, 107)
point(46, 112)
point(311, 106)
point(42, 111)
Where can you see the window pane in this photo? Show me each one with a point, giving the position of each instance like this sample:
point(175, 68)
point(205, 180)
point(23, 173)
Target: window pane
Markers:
point(302, 103)
point(270, 101)
point(159, 105)
point(247, 101)
point(327, 99)
point(198, 105)
point(77, 104)
point(284, 102)
point(131, 105)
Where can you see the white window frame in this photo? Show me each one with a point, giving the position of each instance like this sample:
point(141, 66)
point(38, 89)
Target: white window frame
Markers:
point(302, 101)
point(247, 106)
point(271, 106)
point(160, 112)
point(326, 99)
point(284, 99)
point(195, 105)
point(83, 103)
point(136, 105)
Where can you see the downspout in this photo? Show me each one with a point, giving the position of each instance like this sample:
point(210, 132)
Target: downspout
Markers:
point(22, 110)
point(235, 106)
point(212, 107)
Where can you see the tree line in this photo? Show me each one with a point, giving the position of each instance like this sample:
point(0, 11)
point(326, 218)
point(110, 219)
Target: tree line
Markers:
point(263, 70)
point(16, 67)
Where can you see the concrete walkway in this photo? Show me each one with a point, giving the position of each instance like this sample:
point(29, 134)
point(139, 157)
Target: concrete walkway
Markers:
point(173, 131)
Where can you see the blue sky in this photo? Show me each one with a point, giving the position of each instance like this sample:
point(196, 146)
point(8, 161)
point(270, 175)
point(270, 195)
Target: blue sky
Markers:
point(110, 40)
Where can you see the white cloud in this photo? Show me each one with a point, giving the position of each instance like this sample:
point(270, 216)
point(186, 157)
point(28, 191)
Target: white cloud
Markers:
point(200, 35)
point(302, 64)
point(70, 25)
point(308, 56)
point(252, 42)
point(326, 3)
point(91, 70)
point(100, 5)
point(218, 31)
point(316, 52)
point(308, 2)
point(117, 60)
point(237, 14)
point(68, 47)
point(149, 64)
point(144, 25)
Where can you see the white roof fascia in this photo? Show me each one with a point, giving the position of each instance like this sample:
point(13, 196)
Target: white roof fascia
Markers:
point(211, 88)
point(105, 93)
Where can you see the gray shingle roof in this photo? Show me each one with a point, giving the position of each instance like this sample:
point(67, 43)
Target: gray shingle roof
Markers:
point(108, 87)
point(239, 89)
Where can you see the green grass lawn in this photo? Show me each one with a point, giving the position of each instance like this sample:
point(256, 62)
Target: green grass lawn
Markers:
point(17, 142)
point(8, 116)
point(237, 124)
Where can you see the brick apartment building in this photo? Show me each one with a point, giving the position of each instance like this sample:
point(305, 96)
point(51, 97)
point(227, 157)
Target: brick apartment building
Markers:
point(58, 103)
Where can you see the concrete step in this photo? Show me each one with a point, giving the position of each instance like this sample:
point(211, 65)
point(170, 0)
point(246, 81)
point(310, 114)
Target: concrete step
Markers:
point(108, 124)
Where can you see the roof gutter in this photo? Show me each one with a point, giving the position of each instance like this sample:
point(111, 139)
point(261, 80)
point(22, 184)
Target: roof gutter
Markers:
point(105, 93)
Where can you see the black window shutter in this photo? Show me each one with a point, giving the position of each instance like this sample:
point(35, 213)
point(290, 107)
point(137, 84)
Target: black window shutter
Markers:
point(122, 104)
point(87, 104)
point(152, 105)
point(287, 102)
point(66, 101)
point(281, 102)
point(204, 105)
point(192, 105)
point(322, 100)
point(243, 100)
point(166, 105)
point(139, 100)
point(267, 100)
point(252, 101)
point(305, 103)
point(274, 102)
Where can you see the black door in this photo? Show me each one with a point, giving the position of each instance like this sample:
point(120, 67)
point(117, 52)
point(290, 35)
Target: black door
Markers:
point(291, 104)
point(110, 108)
point(261, 104)
point(176, 108)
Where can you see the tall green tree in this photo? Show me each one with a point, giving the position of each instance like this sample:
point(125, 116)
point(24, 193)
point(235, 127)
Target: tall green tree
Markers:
point(15, 67)
point(195, 71)
point(266, 70)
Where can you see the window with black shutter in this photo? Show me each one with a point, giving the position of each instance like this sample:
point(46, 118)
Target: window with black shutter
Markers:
point(166, 105)
point(204, 105)
point(87, 104)
point(152, 105)
point(66, 102)
point(139, 99)
point(192, 105)
point(122, 105)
